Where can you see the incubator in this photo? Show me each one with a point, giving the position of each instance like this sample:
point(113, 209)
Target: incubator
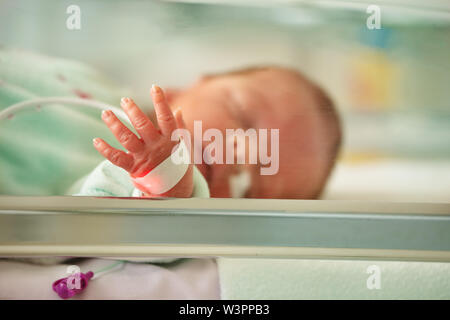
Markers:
point(386, 200)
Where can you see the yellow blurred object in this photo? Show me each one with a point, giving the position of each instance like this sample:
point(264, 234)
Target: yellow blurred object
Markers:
point(361, 157)
point(373, 81)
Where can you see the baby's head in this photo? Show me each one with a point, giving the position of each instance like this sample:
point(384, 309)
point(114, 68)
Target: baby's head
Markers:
point(267, 98)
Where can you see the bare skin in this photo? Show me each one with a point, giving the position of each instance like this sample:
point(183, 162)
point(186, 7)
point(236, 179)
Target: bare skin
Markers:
point(269, 99)
point(151, 148)
point(273, 98)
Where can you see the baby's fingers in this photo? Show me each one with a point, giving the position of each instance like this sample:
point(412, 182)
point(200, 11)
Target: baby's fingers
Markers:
point(124, 135)
point(140, 121)
point(117, 157)
point(179, 119)
point(164, 115)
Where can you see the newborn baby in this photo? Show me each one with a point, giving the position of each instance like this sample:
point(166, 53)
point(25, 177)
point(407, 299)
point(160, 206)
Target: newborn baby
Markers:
point(259, 98)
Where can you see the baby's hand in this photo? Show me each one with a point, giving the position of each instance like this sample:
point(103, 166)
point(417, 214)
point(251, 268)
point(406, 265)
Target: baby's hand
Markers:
point(153, 147)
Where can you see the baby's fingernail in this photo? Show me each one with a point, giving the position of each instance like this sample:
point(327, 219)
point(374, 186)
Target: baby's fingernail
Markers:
point(96, 141)
point(106, 114)
point(156, 89)
point(125, 100)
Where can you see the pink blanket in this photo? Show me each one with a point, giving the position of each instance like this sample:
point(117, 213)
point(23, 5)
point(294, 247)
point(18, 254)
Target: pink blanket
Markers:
point(182, 279)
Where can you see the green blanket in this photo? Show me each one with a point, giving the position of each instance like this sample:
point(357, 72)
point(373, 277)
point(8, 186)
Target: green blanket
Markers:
point(44, 149)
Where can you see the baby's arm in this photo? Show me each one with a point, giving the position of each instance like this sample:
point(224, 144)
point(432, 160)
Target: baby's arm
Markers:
point(153, 146)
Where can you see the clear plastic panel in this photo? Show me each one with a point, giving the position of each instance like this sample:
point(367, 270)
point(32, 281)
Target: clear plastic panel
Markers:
point(358, 92)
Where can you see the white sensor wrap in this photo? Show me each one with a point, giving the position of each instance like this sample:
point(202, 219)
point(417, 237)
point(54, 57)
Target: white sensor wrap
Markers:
point(168, 173)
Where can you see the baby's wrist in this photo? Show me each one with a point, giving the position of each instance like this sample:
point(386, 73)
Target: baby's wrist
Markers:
point(171, 177)
point(183, 189)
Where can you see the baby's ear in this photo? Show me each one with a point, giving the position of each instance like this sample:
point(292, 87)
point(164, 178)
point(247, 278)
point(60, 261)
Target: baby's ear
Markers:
point(171, 94)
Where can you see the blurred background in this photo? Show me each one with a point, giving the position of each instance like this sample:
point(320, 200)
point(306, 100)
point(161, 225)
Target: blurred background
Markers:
point(391, 85)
